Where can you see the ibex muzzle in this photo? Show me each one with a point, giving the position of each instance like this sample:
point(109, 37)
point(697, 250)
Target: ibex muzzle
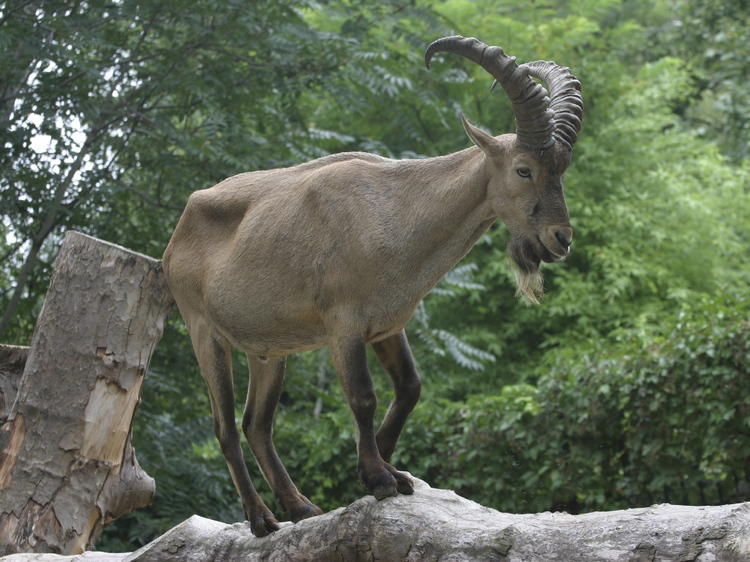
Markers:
point(339, 251)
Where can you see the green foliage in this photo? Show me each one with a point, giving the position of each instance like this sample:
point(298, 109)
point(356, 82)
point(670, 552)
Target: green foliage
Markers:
point(441, 342)
point(714, 37)
point(642, 210)
point(658, 415)
point(113, 113)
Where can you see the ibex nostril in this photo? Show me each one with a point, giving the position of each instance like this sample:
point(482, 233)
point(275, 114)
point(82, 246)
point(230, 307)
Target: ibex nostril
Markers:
point(563, 239)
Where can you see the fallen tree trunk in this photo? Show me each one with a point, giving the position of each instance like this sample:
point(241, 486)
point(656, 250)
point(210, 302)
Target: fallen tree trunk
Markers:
point(440, 525)
point(66, 463)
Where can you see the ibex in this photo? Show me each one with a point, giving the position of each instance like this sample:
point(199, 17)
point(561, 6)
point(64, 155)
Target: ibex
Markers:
point(339, 251)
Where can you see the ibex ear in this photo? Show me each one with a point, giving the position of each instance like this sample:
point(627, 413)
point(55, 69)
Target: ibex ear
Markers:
point(485, 141)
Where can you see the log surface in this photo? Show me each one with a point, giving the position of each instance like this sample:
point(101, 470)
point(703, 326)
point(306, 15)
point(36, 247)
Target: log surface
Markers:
point(438, 525)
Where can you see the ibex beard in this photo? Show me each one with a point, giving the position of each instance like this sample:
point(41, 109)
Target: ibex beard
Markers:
point(525, 263)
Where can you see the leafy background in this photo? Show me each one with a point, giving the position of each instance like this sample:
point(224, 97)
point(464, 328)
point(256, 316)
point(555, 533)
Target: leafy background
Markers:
point(626, 387)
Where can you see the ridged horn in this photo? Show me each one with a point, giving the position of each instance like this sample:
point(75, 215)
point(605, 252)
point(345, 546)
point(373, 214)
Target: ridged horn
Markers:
point(566, 101)
point(538, 124)
point(534, 121)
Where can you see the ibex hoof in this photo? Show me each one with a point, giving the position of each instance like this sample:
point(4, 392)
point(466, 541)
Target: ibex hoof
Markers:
point(404, 485)
point(263, 524)
point(383, 487)
point(304, 511)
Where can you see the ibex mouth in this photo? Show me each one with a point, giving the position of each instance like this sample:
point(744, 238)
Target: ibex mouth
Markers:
point(548, 255)
point(552, 254)
point(527, 254)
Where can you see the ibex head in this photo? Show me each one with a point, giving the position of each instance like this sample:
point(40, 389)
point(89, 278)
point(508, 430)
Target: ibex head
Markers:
point(526, 169)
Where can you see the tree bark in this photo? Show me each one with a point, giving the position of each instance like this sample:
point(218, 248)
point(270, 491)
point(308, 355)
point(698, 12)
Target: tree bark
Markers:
point(66, 463)
point(439, 525)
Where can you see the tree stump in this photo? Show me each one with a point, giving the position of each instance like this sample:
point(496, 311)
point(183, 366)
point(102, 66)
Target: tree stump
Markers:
point(66, 463)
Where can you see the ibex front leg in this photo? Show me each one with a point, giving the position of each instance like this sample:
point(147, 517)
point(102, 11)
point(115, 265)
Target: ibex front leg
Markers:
point(266, 379)
point(350, 360)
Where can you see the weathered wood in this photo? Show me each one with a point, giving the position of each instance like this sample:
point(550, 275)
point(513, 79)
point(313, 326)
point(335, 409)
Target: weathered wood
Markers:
point(66, 462)
point(439, 525)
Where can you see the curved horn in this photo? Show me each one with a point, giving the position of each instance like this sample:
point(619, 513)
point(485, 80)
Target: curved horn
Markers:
point(566, 101)
point(535, 122)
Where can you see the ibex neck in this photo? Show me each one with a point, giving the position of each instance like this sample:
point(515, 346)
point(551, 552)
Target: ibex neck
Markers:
point(448, 210)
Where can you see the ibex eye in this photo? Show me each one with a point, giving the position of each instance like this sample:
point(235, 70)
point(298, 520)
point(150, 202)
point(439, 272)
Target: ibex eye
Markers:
point(524, 172)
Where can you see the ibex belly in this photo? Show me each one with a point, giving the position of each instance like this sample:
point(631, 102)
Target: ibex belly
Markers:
point(263, 315)
point(290, 325)
point(279, 308)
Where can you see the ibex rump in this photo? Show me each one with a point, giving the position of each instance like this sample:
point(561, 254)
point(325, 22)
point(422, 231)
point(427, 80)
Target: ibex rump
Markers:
point(339, 251)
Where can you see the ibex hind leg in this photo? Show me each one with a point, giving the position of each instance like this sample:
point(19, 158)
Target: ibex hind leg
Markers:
point(395, 355)
point(266, 381)
point(215, 361)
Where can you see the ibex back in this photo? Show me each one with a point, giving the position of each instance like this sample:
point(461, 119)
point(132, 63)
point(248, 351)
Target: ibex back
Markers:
point(339, 251)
